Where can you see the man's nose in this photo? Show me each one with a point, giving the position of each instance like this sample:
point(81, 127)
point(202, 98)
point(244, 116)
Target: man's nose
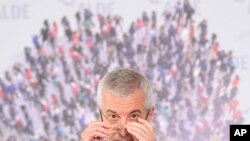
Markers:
point(123, 130)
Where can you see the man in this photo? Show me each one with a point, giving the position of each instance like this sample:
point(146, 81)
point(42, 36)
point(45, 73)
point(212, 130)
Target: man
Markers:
point(125, 101)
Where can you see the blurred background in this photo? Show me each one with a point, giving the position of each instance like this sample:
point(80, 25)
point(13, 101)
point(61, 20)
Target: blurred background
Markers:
point(54, 52)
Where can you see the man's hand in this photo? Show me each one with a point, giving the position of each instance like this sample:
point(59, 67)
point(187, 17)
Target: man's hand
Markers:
point(96, 131)
point(142, 130)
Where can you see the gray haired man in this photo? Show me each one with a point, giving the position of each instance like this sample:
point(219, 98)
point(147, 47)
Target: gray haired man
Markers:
point(125, 100)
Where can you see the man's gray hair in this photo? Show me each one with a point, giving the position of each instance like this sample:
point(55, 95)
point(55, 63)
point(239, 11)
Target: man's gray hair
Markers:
point(123, 82)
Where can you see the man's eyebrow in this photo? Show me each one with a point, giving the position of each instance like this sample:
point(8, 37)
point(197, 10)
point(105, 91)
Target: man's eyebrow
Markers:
point(110, 111)
point(135, 111)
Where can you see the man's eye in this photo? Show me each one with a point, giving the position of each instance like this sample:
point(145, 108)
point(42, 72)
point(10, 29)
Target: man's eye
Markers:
point(112, 117)
point(134, 116)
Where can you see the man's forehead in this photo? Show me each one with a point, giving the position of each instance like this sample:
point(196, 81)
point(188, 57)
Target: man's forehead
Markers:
point(132, 100)
point(137, 94)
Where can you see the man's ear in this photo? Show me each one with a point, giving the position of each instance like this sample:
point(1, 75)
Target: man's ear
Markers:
point(150, 114)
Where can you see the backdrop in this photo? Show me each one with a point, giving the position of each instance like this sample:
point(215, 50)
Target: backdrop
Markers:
point(22, 20)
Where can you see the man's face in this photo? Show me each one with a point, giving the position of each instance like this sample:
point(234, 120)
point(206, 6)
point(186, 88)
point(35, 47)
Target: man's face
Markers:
point(118, 110)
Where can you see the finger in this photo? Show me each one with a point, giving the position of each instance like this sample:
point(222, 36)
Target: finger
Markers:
point(135, 132)
point(102, 124)
point(97, 134)
point(146, 123)
point(97, 139)
point(82, 136)
point(140, 126)
point(100, 129)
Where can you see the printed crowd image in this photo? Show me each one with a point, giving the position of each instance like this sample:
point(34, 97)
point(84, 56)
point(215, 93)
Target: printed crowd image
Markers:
point(177, 64)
